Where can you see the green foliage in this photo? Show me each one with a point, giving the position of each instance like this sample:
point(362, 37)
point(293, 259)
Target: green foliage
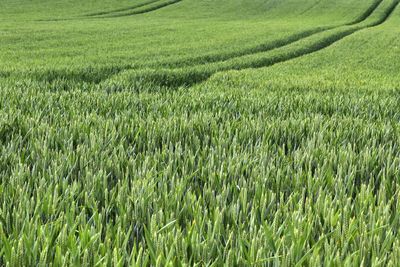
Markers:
point(200, 133)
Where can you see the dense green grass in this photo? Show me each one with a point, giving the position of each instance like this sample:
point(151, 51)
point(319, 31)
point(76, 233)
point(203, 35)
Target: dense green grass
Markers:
point(207, 133)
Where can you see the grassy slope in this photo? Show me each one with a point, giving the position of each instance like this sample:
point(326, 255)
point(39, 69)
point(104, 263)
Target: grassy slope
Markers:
point(163, 35)
point(295, 163)
point(356, 62)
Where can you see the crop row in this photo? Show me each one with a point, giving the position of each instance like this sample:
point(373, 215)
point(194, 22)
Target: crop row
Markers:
point(122, 9)
point(139, 9)
point(194, 70)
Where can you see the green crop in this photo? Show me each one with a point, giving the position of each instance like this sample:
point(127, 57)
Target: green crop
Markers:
point(199, 133)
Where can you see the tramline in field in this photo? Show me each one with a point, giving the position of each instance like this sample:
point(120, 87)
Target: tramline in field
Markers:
point(199, 133)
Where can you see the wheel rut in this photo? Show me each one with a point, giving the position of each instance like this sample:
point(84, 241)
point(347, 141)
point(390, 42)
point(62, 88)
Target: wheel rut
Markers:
point(100, 13)
point(187, 77)
point(196, 70)
point(146, 8)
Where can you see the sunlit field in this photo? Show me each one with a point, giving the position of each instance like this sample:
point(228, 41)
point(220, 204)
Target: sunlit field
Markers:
point(199, 133)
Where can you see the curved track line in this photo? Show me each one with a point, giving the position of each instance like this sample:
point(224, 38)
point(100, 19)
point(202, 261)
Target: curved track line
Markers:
point(201, 60)
point(146, 9)
point(331, 39)
point(367, 13)
point(196, 77)
point(326, 42)
point(122, 9)
point(174, 78)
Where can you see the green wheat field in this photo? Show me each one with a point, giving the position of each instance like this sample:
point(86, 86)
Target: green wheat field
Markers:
point(200, 133)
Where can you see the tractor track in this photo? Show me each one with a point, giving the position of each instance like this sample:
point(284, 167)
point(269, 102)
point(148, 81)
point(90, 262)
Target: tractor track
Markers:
point(122, 9)
point(194, 75)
